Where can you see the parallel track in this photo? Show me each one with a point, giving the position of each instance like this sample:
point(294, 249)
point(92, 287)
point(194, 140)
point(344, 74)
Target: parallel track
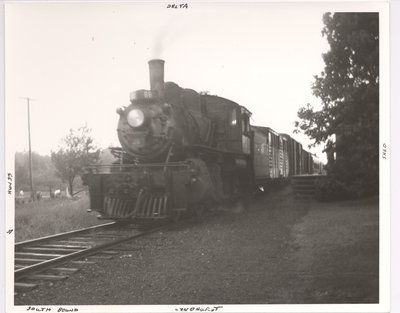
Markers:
point(38, 255)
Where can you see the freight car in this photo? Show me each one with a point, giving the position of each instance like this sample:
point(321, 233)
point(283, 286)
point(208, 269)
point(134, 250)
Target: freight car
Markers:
point(182, 150)
point(270, 156)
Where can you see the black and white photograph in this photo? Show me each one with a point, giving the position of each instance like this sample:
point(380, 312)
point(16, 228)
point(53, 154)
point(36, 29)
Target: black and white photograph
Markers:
point(197, 156)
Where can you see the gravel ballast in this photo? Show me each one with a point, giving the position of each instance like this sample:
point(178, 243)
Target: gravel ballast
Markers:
point(276, 250)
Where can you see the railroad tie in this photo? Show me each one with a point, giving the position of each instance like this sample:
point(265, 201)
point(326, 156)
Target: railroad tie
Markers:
point(74, 242)
point(66, 246)
point(25, 260)
point(83, 262)
point(106, 257)
point(46, 277)
point(125, 247)
point(63, 269)
point(24, 286)
point(39, 249)
point(83, 237)
point(110, 252)
point(37, 255)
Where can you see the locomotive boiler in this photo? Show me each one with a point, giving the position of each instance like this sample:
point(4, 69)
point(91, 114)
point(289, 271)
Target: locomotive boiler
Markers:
point(180, 152)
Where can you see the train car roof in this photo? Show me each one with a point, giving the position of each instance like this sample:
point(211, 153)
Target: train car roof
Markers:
point(265, 129)
point(288, 136)
point(220, 98)
point(174, 87)
point(243, 109)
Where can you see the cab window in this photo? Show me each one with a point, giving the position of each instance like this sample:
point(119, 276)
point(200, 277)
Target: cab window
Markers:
point(233, 117)
point(245, 123)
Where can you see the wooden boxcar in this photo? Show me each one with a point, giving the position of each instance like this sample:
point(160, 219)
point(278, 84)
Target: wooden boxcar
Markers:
point(271, 156)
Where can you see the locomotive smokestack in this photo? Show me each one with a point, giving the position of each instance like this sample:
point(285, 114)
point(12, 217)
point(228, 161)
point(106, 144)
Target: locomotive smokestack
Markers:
point(156, 68)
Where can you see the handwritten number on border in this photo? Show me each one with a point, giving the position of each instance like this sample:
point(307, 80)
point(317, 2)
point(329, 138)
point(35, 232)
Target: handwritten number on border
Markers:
point(178, 6)
point(384, 151)
point(10, 183)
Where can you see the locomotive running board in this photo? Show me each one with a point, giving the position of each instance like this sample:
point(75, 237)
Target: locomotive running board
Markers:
point(124, 168)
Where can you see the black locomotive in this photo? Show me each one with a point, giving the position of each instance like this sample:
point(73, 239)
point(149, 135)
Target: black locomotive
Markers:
point(182, 151)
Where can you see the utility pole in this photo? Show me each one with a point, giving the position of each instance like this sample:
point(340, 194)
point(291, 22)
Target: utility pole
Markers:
point(30, 151)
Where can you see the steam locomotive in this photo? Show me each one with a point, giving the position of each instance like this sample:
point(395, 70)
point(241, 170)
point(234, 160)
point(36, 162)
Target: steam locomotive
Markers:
point(182, 151)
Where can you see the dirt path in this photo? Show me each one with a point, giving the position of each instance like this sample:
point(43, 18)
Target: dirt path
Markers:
point(336, 248)
point(278, 250)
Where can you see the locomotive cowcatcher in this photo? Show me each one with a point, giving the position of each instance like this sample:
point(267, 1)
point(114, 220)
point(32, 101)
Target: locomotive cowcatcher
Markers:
point(180, 152)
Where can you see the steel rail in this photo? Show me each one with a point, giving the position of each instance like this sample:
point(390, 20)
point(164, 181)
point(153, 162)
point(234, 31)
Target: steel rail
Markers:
point(28, 270)
point(61, 235)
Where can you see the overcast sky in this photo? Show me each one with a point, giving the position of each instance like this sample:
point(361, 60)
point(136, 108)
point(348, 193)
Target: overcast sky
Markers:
point(79, 62)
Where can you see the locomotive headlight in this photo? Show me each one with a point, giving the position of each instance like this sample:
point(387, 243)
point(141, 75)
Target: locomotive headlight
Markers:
point(135, 118)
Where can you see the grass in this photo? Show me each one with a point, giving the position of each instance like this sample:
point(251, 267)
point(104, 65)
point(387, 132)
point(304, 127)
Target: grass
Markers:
point(52, 216)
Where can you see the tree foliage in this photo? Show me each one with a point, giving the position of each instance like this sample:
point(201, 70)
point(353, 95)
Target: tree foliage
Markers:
point(43, 172)
point(348, 123)
point(76, 151)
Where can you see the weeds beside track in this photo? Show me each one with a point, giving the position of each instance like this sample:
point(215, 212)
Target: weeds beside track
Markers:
point(52, 216)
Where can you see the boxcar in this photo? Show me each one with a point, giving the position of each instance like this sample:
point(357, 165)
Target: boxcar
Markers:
point(271, 155)
point(295, 155)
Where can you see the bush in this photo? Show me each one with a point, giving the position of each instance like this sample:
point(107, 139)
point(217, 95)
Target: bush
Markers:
point(330, 188)
point(344, 183)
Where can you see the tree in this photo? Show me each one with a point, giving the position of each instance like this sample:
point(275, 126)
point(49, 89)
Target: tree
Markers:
point(76, 151)
point(348, 123)
point(42, 168)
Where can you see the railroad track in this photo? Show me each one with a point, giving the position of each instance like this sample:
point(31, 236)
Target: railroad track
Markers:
point(42, 258)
